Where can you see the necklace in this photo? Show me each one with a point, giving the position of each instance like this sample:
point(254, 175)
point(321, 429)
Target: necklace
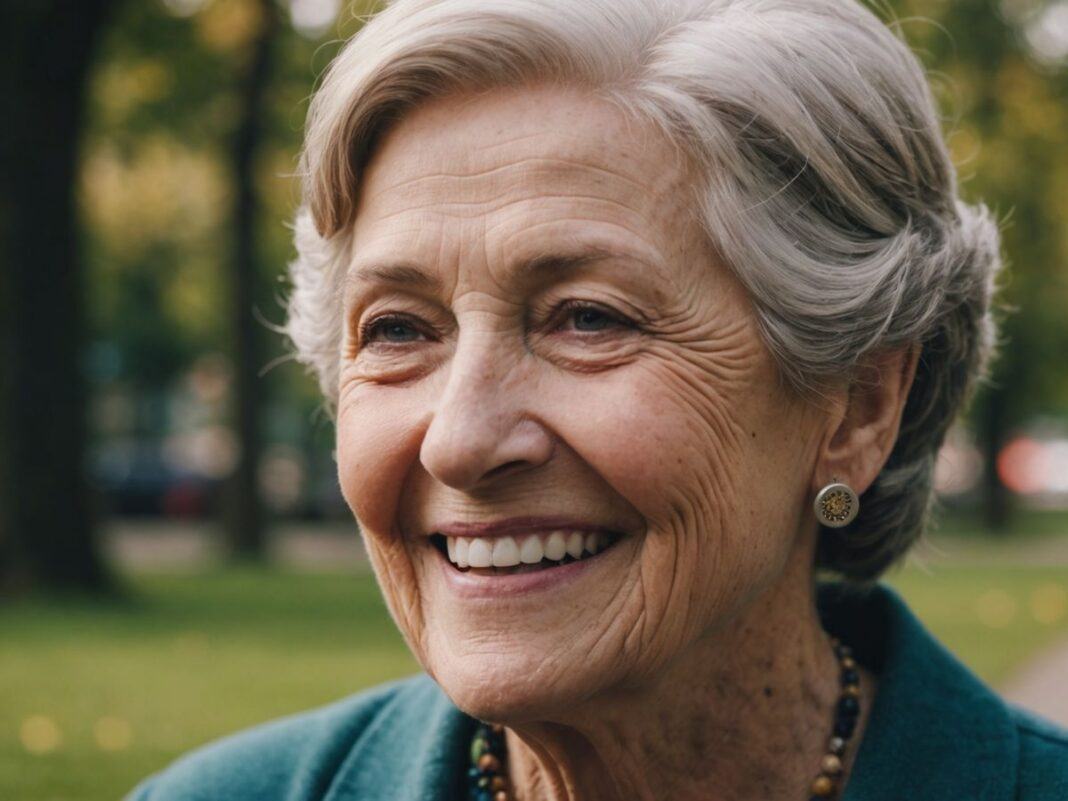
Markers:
point(487, 776)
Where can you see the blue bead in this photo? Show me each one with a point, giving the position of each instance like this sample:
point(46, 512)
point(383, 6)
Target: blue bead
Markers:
point(848, 705)
point(474, 773)
point(843, 726)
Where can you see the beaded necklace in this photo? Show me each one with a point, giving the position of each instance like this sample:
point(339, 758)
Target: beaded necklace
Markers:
point(487, 777)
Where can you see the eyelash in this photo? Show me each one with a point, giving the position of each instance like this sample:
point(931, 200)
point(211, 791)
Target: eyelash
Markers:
point(375, 324)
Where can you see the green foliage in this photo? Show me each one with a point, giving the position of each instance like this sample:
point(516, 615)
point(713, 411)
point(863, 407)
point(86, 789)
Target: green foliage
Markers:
point(156, 182)
point(1006, 113)
point(157, 185)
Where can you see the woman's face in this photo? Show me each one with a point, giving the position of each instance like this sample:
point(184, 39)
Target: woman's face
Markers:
point(546, 335)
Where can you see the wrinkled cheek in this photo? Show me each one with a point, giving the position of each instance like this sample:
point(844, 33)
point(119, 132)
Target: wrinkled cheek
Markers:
point(396, 576)
point(372, 456)
point(377, 442)
point(362, 466)
point(676, 455)
point(672, 453)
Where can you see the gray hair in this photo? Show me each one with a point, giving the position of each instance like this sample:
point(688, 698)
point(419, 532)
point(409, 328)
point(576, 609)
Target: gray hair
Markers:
point(823, 183)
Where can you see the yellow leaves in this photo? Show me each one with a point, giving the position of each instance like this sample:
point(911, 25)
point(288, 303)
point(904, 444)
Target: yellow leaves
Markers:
point(964, 146)
point(1027, 107)
point(163, 192)
point(227, 25)
point(119, 87)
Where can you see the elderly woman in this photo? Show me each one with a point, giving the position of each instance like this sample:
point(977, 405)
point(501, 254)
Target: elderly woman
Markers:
point(636, 317)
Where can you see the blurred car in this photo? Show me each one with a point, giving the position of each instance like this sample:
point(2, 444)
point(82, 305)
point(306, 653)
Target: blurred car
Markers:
point(136, 480)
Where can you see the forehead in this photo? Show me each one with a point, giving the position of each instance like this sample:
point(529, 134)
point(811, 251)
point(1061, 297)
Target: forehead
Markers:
point(509, 166)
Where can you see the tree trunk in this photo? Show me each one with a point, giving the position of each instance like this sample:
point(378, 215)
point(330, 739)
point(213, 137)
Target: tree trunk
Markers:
point(996, 503)
point(245, 515)
point(47, 519)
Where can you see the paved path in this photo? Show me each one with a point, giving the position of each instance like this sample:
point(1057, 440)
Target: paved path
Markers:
point(1042, 685)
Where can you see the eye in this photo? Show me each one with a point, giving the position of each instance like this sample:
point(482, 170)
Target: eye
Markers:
point(590, 317)
point(393, 328)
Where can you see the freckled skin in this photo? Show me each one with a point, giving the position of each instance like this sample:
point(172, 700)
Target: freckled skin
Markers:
point(655, 675)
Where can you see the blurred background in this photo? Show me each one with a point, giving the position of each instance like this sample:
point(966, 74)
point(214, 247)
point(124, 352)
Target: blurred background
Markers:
point(176, 560)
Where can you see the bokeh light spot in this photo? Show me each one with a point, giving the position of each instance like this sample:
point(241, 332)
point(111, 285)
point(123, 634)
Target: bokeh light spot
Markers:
point(40, 734)
point(112, 734)
point(1049, 603)
point(996, 608)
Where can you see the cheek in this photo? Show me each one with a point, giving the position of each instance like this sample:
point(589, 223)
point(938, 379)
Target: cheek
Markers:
point(377, 432)
point(674, 436)
point(669, 438)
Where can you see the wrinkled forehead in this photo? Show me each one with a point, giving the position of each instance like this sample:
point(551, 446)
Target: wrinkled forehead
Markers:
point(480, 154)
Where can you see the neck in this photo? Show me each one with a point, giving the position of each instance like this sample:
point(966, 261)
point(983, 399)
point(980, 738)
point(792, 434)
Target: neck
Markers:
point(745, 713)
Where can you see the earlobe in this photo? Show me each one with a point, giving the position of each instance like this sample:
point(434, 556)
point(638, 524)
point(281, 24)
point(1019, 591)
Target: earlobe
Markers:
point(862, 434)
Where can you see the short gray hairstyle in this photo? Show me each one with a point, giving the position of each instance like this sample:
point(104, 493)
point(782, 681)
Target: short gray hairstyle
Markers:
point(822, 180)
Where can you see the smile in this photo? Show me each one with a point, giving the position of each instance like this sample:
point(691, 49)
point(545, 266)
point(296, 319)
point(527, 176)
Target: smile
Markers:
point(510, 555)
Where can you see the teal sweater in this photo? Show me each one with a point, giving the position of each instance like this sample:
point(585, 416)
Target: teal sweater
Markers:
point(936, 733)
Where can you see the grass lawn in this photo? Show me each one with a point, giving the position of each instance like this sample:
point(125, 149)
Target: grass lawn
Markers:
point(187, 659)
point(993, 618)
point(96, 696)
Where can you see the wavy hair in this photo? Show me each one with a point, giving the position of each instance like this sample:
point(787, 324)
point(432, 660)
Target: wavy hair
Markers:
point(822, 180)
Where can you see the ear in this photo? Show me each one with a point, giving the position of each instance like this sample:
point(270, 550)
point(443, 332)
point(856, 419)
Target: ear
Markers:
point(864, 425)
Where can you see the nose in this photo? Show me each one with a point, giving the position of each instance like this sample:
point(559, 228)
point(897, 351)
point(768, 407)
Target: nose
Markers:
point(481, 428)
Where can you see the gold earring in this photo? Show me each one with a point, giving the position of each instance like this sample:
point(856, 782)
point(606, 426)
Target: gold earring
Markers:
point(836, 504)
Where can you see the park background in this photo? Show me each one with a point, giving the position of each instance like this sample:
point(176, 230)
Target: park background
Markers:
point(176, 561)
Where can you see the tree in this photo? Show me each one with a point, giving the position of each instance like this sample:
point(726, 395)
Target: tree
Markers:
point(47, 519)
point(245, 524)
point(1005, 115)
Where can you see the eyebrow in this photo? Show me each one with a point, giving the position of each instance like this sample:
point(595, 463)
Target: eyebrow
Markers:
point(405, 274)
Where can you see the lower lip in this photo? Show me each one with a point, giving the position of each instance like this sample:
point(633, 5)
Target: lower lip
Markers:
point(471, 585)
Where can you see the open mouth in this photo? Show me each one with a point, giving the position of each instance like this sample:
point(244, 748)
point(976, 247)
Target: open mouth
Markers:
point(506, 556)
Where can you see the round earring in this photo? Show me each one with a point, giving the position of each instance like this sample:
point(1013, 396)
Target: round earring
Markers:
point(836, 504)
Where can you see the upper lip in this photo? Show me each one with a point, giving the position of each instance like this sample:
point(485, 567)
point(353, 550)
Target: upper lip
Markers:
point(516, 525)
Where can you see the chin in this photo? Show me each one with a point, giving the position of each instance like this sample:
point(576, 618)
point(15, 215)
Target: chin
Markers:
point(490, 689)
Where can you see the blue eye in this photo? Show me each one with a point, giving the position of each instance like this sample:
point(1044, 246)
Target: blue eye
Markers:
point(588, 317)
point(395, 329)
point(406, 332)
point(392, 327)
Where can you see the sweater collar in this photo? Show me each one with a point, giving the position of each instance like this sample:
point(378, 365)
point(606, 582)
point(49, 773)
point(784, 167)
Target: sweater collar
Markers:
point(935, 730)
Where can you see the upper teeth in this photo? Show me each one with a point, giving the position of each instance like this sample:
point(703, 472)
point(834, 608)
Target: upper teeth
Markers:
point(531, 549)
